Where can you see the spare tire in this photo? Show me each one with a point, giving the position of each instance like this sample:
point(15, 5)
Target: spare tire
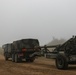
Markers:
point(61, 62)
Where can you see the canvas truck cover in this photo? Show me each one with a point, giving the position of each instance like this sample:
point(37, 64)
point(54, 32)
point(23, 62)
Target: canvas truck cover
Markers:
point(25, 43)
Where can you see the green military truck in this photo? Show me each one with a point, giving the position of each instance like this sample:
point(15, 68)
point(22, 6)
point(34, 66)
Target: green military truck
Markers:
point(22, 49)
point(7, 50)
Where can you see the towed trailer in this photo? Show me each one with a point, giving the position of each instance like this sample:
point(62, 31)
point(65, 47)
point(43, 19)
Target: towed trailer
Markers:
point(64, 54)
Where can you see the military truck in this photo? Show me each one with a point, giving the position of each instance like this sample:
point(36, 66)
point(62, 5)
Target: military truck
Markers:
point(7, 50)
point(22, 49)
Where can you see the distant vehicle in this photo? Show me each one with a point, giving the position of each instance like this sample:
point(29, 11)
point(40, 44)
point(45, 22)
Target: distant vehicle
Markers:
point(21, 49)
point(7, 50)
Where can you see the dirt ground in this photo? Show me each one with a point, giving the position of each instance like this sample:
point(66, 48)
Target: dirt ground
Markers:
point(40, 66)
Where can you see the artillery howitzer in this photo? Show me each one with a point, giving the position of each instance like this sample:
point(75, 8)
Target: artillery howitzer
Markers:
point(64, 54)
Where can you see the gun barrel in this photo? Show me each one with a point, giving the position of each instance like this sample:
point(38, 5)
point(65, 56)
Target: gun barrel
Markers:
point(52, 46)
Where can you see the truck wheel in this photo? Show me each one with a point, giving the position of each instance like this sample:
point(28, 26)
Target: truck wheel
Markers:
point(13, 57)
point(6, 57)
point(32, 59)
point(19, 60)
point(27, 60)
point(16, 58)
point(61, 62)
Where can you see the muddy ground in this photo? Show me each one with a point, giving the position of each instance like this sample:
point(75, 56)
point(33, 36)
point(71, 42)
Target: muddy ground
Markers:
point(41, 66)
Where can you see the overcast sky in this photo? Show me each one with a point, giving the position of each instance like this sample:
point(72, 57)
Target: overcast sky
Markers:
point(41, 19)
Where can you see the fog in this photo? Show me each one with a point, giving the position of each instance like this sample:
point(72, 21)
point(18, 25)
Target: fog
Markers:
point(41, 19)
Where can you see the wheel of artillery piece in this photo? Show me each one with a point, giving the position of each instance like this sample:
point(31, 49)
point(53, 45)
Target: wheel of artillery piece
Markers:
point(61, 62)
point(6, 57)
point(16, 58)
point(32, 59)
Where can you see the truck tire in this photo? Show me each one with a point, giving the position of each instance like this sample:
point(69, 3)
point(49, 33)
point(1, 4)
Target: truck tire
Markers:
point(13, 57)
point(16, 58)
point(61, 62)
point(19, 60)
point(6, 57)
point(27, 60)
point(32, 59)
